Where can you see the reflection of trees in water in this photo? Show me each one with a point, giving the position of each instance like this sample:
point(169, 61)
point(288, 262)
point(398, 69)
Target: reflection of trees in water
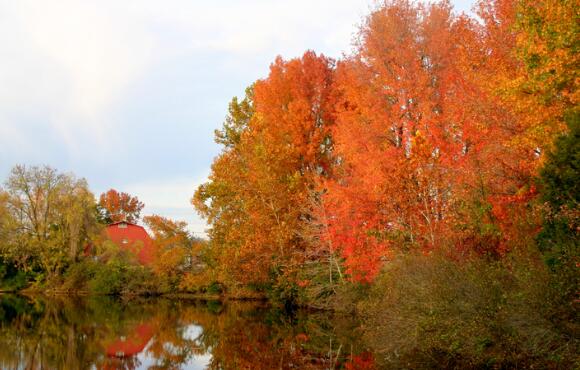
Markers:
point(108, 333)
point(114, 363)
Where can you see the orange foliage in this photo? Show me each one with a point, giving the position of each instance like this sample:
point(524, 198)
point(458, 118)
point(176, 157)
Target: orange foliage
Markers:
point(428, 136)
point(405, 127)
point(258, 185)
point(174, 247)
point(120, 206)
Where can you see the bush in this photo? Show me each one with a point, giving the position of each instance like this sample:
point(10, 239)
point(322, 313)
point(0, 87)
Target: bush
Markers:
point(430, 311)
point(139, 280)
point(12, 279)
point(109, 278)
point(77, 277)
point(119, 276)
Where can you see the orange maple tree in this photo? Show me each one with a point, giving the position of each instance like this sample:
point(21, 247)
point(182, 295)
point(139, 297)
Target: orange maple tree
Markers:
point(429, 135)
point(261, 180)
point(117, 206)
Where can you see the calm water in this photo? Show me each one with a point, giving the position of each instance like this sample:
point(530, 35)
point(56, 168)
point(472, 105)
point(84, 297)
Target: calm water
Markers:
point(107, 333)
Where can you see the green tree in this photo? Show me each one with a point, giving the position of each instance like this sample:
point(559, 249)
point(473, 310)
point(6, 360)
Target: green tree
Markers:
point(52, 218)
point(560, 179)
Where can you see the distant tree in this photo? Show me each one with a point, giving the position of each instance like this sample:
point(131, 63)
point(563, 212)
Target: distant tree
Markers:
point(50, 217)
point(175, 249)
point(6, 220)
point(114, 206)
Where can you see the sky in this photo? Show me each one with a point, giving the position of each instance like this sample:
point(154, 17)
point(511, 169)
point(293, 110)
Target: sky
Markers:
point(127, 93)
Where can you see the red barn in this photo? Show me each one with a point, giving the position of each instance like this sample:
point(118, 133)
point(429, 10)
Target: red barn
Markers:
point(132, 237)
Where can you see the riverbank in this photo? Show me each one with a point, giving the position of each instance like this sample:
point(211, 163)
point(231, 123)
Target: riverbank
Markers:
point(56, 292)
point(432, 311)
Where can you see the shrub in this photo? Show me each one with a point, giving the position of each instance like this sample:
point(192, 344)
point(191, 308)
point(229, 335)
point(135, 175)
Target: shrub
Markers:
point(78, 275)
point(12, 279)
point(430, 311)
point(120, 276)
point(109, 278)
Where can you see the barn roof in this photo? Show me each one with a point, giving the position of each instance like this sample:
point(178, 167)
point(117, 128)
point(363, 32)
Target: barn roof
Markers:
point(126, 237)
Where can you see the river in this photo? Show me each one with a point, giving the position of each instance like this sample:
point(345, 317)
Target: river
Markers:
point(102, 332)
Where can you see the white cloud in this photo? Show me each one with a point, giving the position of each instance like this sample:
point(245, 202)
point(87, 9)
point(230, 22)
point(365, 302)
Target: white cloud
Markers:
point(258, 26)
point(68, 61)
point(71, 61)
point(171, 198)
point(67, 68)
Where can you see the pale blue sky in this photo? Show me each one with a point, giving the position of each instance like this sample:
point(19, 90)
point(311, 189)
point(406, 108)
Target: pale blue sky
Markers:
point(127, 93)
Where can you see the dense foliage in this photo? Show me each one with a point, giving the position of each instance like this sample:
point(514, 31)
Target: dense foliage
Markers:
point(430, 135)
point(431, 174)
point(52, 237)
point(443, 140)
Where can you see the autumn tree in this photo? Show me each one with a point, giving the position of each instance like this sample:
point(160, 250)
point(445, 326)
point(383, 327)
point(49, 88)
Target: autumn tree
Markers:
point(407, 123)
point(115, 206)
point(523, 62)
point(547, 46)
point(430, 135)
point(263, 176)
point(220, 200)
point(176, 250)
point(52, 218)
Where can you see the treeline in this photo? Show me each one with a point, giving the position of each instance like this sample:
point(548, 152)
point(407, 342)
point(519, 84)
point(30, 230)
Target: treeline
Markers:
point(438, 132)
point(52, 237)
point(440, 154)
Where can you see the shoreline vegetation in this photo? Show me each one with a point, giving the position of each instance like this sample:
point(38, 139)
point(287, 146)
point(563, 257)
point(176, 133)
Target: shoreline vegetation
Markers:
point(427, 183)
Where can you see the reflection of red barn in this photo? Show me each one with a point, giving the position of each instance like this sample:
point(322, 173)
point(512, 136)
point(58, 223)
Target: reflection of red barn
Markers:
point(129, 236)
point(132, 344)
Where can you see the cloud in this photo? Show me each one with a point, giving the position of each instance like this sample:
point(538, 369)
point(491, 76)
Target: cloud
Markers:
point(71, 61)
point(170, 198)
point(68, 61)
point(84, 83)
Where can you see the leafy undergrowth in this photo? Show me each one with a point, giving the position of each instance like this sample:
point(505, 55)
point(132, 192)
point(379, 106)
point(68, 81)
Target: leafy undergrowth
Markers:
point(430, 311)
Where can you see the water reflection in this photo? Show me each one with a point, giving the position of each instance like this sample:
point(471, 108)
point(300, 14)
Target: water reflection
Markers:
point(107, 333)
